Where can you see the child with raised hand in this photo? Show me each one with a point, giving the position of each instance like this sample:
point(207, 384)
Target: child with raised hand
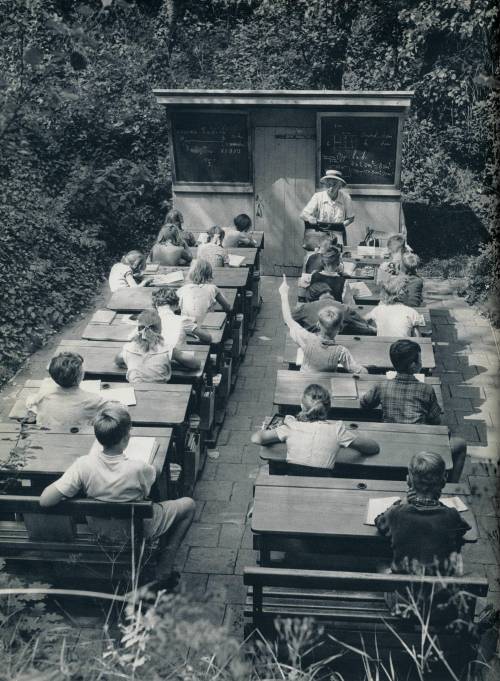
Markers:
point(170, 249)
point(405, 399)
point(414, 284)
point(64, 405)
point(199, 295)
point(212, 250)
point(391, 316)
point(321, 352)
point(147, 357)
point(123, 274)
point(109, 475)
point(174, 326)
point(312, 440)
point(237, 236)
point(426, 536)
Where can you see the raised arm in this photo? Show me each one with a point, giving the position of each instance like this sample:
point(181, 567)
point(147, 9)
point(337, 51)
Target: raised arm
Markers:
point(298, 334)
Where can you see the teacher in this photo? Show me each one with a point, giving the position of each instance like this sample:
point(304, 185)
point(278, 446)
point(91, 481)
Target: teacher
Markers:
point(328, 212)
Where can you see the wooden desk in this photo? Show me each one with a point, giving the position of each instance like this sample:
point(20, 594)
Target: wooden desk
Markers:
point(398, 443)
point(132, 300)
point(257, 236)
point(49, 454)
point(290, 386)
point(251, 256)
point(370, 351)
point(376, 257)
point(327, 515)
point(373, 298)
point(120, 327)
point(99, 359)
point(223, 277)
point(426, 330)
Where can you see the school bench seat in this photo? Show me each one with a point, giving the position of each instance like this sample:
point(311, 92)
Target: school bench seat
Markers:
point(351, 608)
point(59, 538)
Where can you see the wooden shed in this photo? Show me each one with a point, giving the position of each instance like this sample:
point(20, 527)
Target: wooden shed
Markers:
point(262, 153)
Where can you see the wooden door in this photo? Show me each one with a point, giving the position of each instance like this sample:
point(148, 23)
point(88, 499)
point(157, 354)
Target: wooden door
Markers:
point(284, 183)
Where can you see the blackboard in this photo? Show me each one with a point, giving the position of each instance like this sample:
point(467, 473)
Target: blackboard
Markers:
point(211, 147)
point(363, 148)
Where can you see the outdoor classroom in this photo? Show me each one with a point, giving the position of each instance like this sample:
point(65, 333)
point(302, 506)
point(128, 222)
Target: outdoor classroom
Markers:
point(261, 442)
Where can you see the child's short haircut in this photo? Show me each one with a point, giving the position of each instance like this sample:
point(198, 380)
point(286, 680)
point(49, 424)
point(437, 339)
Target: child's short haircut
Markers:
point(174, 217)
point(165, 296)
point(135, 259)
point(242, 222)
point(330, 320)
point(216, 231)
point(327, 243)
point(394, 290)
point(410, 261)
point(427, 474)
point(66, 369)
point(316, 403)
point(111, 424)
point(200, 271)
point(396, 239)
point(403, 354)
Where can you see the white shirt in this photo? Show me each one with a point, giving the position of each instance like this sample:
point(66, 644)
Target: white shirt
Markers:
point(174, 327)
point(61, 409)
point(313, 443)
point(196, 300)
point(107, 478)
point(118, 276)
point(395, 320)
point(147, 367)
point(321, 208)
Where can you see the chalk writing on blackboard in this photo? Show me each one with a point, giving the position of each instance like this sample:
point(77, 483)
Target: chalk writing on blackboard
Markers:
point(363, 148)
point(211, 147)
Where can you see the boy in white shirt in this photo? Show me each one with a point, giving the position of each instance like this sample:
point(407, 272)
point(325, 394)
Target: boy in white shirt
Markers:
point(108, 475)
point(391, 316)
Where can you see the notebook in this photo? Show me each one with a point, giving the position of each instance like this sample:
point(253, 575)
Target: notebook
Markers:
point(392, 374)
point(170, 278)
point(151, 268)
point(235, 260)
point(139, 449)
point(125, 395)
point(103, 317)
point(360, 289)
point(377, 506)
point(349, 268)
point(344, 387)
point(214, 320)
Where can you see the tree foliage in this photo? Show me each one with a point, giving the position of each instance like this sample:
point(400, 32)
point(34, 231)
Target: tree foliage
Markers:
point(84, 147)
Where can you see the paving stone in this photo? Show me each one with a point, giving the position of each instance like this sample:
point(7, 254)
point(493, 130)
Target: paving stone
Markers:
point(224, 512)
point(211, 560)
point(194, 584)
point(235, 471)
point(231, 535)
point(230, 454)
point(234, 621)
point(213, 490)
point(239, 437)
point(246, 558)
point(202, 534)
point(238, 422)
point(227, 588)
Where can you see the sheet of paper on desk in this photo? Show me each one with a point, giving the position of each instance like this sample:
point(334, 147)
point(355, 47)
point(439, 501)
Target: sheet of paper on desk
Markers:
point(349, 268)
point(377, 506)
point(151, 268)
point(125, 395)
point(359, 289)
point(103, 317)
point(454, 502)
point(170, 278)
point(235, 260)
point(139, 448)
point(344, 387)
point(392, 374)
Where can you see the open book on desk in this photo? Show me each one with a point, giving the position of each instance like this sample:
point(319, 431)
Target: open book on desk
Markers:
point(139, 448)
point(170, 278)
point(359, 289)
point(235, 260)
point(344, 387)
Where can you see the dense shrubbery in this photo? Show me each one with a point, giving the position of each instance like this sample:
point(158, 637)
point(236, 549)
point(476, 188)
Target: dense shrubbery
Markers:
point(84, 165)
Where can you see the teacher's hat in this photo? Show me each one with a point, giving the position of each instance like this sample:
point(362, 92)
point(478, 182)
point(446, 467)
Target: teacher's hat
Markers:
point(333, 175)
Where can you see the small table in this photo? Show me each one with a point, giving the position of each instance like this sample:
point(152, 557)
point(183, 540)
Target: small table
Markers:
point(372, 299)
point(49, 454)
point(398, 443)
point(370, 351)
point(223, 277)
point(327, 515)
point(290, 386)
point(132, 300)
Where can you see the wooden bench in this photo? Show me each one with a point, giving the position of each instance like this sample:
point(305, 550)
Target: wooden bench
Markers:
point(351, 608)
point(59, 538)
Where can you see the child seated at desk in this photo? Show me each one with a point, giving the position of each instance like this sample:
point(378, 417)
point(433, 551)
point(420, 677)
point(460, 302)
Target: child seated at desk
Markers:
point(396, 245)
point(174, 326)
point(123, 274)
point(212, 250)
point(391, 316)
point(307, 314)
point(110, 476)
point(237, 237)
point(321, 353)
point(199, 295)
point(330, 274)
point(312, 440)
point(413, 283)
point(405, 399)
point(64, 405)
point(147, 357)
point(175, 217)
point(313, 261)
point(170, 249)
point(426, 536)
